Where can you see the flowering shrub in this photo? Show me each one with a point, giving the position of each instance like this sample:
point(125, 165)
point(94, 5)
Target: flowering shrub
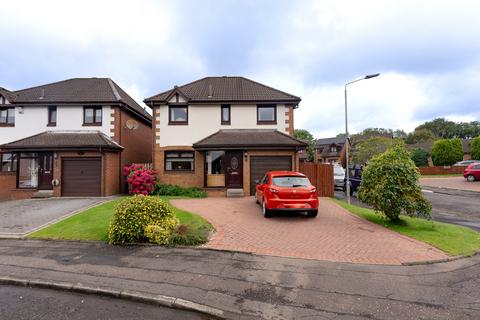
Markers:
point(140, 179)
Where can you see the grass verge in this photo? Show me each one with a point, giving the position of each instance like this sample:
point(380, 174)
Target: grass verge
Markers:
point(93, 223)
point(452, 239)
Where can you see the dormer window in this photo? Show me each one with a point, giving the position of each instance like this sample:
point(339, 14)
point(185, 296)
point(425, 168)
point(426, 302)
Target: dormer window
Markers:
point(92, 116)
point(267, 114)
point(333, 148)
point(178, 115)
point(7, 117)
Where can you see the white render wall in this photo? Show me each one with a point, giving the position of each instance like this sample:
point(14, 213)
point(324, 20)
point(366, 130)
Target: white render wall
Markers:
point(204, 120)
point(35, 118)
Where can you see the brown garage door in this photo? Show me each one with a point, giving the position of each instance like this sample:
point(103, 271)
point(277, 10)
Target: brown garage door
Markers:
point(81, 177)
point(260, 165)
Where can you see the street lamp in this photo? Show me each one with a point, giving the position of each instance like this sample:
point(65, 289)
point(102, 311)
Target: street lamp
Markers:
point(369, 76)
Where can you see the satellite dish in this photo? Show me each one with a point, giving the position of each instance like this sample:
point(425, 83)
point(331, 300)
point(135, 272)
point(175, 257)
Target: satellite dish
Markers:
point(131, 124)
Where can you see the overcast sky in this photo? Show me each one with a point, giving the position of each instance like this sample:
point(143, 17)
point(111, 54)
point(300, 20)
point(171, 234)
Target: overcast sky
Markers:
point(428, 52)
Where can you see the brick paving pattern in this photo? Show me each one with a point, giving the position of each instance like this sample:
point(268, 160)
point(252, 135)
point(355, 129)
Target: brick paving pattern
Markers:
point(334, 235)
point(459, 183)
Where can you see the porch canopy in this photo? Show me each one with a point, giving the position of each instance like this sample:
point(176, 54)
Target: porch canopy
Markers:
point(63, 140)
point(235, 139)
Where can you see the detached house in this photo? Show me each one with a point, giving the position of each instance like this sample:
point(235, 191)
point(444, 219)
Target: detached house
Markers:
point(330, 150)
point(223, 134)
point(70, 138)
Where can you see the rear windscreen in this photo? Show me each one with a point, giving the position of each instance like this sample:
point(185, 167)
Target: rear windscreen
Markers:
point(290, 182)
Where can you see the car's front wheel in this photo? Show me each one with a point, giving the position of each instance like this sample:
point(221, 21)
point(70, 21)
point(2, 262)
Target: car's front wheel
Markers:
point(312, 214)
point(471, 178)
point(266, 212)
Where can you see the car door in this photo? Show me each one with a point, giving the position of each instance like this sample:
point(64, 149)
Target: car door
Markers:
point(476, 171)
point(261, 187)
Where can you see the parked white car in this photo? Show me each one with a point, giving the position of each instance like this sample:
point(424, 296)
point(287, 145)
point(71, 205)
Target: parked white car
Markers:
point(465, 163)
point(338, 177)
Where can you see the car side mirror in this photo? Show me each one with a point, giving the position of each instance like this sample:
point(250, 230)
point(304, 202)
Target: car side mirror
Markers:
point(257, 181)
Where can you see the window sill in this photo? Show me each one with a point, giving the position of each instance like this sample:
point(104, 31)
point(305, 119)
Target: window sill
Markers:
point(267, 122)
point(92, 125)
point(7, 173)
point(179, 171)
point(7, 125)
point(178, 123)
point(51, 125)
point(225, 123)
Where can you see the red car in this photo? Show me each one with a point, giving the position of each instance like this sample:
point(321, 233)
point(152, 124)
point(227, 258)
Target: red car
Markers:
point(472, 172)
point(286, 191)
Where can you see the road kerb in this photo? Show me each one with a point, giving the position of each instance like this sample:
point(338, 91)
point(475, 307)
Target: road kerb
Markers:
point(143, 297)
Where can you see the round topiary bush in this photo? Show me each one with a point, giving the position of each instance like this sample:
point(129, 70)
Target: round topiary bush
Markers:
point(390, 185)
point(134, 214)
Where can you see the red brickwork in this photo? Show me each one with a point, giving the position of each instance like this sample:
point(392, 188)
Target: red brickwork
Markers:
point(441, 170)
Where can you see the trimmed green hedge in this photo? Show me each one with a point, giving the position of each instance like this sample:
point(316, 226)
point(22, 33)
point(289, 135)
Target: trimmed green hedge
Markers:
point(174, 190)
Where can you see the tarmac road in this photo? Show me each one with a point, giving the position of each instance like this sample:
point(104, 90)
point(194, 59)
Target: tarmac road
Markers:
point(35, 303)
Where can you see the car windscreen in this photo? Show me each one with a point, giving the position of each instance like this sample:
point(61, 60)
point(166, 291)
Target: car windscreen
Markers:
point(338, 171)
point(290, 181)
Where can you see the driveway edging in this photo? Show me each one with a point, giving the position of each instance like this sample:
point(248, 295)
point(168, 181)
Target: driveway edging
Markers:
point(136, 296)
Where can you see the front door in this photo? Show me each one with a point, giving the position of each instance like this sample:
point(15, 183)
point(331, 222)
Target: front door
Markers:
point(234, 169)
point(45, 172)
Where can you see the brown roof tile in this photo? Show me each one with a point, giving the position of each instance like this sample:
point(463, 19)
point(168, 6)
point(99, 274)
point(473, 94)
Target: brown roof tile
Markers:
point(79, 90)
point(227, 89)
point(249, 138)
point(52, 140)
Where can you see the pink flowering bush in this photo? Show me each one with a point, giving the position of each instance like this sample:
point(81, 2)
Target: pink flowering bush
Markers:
point(140, 179)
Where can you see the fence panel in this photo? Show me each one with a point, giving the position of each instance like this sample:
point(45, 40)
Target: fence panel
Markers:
point(321, 176)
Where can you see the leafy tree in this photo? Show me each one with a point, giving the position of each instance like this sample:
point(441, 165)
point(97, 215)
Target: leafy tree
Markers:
point(308, 138)
point(365, 150)
point(446, 152)
point(475, 148)
point(420, 157)
point(446, 129)
point(390, 185)
point(440, 127)
point(420, 135)
point(399, 134)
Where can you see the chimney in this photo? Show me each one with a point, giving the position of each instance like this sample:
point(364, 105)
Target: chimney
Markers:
point(210, 91)
point(42, 94)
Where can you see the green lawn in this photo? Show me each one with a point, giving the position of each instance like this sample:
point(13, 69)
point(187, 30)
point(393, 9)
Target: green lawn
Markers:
point(452, 239)
point(93, 223)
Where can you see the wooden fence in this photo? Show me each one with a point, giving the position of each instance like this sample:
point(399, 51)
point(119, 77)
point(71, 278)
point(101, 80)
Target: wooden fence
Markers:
point(442, 170)
point(320, 175)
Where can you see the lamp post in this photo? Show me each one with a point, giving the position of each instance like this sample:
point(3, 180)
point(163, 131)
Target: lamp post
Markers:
point(347, 145)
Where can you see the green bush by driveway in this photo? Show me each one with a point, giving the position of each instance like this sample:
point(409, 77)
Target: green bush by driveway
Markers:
point(93, 224)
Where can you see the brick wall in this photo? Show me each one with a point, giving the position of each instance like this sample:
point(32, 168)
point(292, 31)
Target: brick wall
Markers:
point(8, 189)
point(111, 168)
point(184, 179)
point(441, 170)
point(289, 120)
point(137, 143)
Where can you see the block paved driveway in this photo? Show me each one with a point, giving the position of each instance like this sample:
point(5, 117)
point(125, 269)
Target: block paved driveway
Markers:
point(19, 217)
point(334, 235)
point(459, 183)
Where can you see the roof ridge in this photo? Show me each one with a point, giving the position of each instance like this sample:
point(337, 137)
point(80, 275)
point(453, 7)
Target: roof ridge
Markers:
point(114, 89)
point(174, 87)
